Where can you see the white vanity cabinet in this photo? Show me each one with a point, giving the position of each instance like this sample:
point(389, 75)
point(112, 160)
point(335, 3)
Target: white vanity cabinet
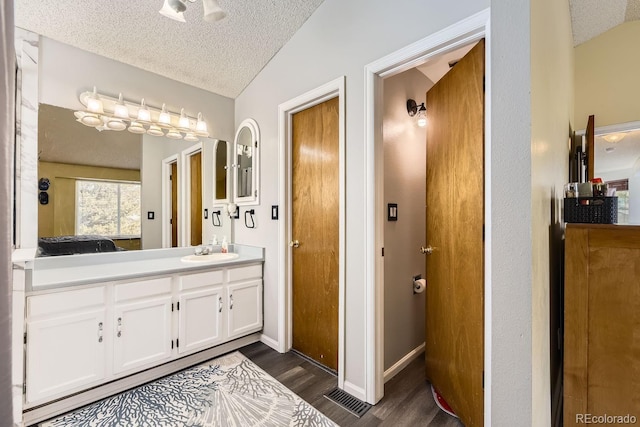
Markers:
point(66, 344)
point(142, 324)
point(200, 311)
point(244, 300)
point(79, 338)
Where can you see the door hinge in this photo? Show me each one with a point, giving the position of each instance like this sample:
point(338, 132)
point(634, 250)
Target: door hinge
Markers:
point(170, 220)
point(483, 380)
point(484, 83)
point(382, 251)
point(256, 144)
point(178, 306)
point(25, 337)
point(483, 232)
point(170, 177)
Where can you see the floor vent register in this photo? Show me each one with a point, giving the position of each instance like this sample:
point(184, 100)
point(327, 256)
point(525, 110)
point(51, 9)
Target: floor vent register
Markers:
point(356, 406)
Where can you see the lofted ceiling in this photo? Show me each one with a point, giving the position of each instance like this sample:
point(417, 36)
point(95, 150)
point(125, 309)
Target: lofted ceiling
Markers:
point(590, 18)
point(221, 57)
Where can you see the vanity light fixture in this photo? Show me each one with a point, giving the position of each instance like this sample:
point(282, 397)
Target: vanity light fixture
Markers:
point(418, 111)
point(174, 9)
point(106, 113)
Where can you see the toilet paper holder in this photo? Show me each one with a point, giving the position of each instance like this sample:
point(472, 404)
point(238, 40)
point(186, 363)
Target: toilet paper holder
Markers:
point(419, 284)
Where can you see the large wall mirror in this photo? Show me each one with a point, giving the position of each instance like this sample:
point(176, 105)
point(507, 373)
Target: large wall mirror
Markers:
point(111, 184)
point(246, 177)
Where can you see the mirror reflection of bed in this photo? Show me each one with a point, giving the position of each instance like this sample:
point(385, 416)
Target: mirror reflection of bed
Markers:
point(101, 186)
point(617, 162)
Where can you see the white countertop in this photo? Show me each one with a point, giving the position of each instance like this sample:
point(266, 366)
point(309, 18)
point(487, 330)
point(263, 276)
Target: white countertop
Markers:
point(73, 270)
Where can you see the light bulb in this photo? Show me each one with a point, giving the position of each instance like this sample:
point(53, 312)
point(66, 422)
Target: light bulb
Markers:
point(116, 124)
point(422, 116)
point(144, 115)
point(94, 104)
point(120, 110)
point(183, 124)
point(165, 119)
point(201, 126)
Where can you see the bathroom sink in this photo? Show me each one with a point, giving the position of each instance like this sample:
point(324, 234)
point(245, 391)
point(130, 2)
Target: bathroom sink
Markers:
point(209, 258)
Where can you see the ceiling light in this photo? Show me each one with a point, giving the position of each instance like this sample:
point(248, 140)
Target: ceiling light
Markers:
point(174, 9)
point(212, 11)
point(614, 137)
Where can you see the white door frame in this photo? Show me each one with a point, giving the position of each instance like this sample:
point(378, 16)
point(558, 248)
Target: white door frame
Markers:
point(184, 202)
point(285, 112)
point(457, 35)
point(166, 200)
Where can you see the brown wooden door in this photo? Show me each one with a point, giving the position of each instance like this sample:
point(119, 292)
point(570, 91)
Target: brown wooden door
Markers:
point(315, 225)
point(196, 198)
point(455, 211)
point(174, 205)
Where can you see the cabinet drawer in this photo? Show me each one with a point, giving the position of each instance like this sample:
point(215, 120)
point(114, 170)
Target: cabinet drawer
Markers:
point(65, 301)
point(245, 273)
point(198, 280)
point(142, 289)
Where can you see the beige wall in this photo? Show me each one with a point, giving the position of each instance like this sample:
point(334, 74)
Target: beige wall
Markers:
point(606, 77)
point(551, 126)
point(404, 184)
point(58, 217)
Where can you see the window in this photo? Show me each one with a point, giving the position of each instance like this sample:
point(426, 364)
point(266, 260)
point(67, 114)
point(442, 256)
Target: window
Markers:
point(108, 208)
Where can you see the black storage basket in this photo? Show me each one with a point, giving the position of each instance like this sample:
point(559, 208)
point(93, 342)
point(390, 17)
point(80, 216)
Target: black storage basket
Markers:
point(591, 210)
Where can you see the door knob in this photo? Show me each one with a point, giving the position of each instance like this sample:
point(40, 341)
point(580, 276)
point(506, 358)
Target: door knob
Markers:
point(427, 251)
point(294, 244)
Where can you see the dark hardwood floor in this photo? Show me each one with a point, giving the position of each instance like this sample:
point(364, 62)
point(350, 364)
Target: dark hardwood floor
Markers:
point(407, 397)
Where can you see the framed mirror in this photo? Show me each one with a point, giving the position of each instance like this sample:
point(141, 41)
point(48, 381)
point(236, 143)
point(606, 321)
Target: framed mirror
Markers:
point(221, 186)
point(245, 166)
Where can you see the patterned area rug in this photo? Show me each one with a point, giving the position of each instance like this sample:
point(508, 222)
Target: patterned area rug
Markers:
point(230, 391)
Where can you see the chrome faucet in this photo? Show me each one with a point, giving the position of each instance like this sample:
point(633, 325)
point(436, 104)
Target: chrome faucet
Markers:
point(202, 250)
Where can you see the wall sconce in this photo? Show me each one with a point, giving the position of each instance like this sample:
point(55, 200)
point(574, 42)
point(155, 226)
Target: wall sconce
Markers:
point(106, 113)
point(418, 111)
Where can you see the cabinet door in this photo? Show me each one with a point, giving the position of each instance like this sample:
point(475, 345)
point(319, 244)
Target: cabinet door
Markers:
point(200, 319)
point(244, 315)
point(142, 333)
point(64, 354)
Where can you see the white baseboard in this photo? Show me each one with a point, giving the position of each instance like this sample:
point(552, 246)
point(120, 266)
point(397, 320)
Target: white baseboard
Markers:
point(354, 390)
point(270, 342)
point(402, 363)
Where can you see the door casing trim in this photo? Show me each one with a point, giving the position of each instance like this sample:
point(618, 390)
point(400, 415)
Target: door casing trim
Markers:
point(166, 200)
point(471, 29)
point(332, 89)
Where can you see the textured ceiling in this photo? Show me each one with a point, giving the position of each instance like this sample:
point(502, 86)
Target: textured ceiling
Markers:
point(590, 18)
point(222, 57)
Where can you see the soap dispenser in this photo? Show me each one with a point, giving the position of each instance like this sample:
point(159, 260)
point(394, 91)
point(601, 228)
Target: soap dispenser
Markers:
point(225, 246)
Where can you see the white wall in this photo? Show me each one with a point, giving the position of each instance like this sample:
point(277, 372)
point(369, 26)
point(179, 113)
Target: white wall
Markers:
point(405, 184)
point(552, 81)
point(340, 38)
